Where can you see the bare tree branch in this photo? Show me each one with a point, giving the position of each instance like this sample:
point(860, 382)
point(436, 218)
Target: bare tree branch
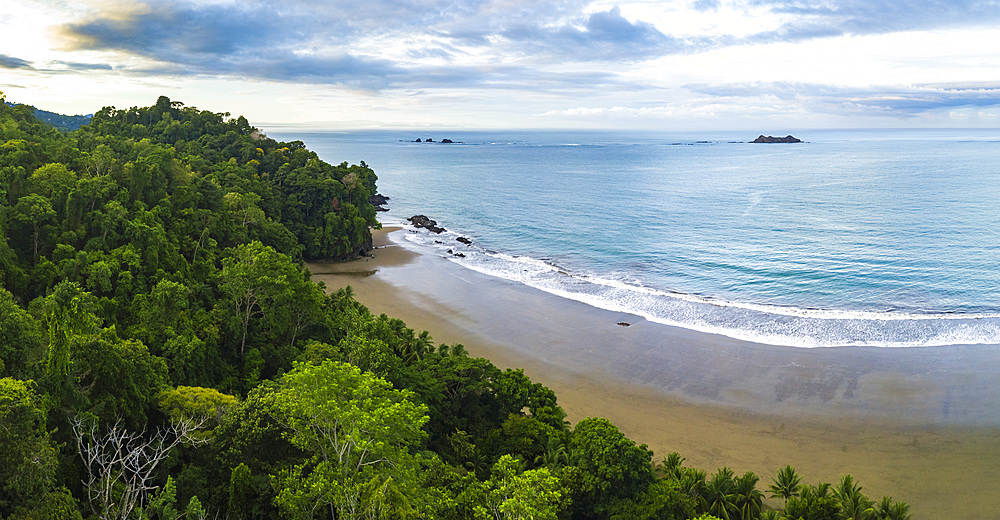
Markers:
point(121, 464)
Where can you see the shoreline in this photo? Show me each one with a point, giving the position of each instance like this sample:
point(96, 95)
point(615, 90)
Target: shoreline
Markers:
point(883, 415)
point(804, 326)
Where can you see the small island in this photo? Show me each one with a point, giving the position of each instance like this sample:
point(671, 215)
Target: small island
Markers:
point(431, 140)
point(771, 139)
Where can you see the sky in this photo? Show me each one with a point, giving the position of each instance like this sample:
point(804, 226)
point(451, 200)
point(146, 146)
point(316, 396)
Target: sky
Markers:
point(766, 65)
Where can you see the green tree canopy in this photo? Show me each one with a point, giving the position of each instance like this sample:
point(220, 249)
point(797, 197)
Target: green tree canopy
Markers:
point(514, 494)
point(52, 178)
point(20, 336)
point(611, 466)
point(260, 282)
point(28, 458)
point(359, 431)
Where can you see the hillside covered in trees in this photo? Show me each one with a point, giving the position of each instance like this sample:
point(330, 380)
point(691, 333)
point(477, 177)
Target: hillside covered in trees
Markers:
point(164, 354)
point(59, 121)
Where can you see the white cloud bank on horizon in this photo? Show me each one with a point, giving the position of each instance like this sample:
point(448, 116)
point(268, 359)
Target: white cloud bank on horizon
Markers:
point(516, 63)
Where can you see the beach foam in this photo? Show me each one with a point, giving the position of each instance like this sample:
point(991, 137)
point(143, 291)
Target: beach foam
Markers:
point(773, 325)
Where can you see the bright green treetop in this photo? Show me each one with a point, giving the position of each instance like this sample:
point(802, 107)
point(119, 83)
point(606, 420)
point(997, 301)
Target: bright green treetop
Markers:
point(513, 494)
point(359, 431)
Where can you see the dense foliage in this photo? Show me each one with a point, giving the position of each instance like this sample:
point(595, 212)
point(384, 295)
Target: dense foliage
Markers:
point(58, 121)
point(163, 353)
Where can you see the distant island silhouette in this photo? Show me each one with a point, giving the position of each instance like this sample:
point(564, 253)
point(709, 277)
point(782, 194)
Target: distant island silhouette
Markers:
point(772, 139)
point(430, 140)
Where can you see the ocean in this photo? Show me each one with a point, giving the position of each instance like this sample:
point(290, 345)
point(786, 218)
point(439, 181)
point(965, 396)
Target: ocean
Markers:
point(854, 237)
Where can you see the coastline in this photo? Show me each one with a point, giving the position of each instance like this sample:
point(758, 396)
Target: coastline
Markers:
point(883, 415)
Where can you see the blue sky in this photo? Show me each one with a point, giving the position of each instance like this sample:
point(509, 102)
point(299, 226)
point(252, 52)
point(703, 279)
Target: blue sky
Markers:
point(763, 65)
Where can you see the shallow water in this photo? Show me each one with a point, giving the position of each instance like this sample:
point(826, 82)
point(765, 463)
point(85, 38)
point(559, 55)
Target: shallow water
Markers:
point(884, 238)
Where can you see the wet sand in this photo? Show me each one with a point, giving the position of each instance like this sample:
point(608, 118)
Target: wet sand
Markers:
point(920, 424)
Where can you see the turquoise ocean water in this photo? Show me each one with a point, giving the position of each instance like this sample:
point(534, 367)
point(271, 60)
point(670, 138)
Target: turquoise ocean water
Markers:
point(883, 238)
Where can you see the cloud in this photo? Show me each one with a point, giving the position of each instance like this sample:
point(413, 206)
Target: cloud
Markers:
point(10, 62)
point(380, 44)
point(614, 112)
point(506, 77)
point(250, 41)
point(611, 26)
point(706, 5)
point(174, 32)
point(866, 17)
point(323, 43)
point(602, 36)
point(354, 71)
point(903, 102)
point(609, 36)
point(180, 32)
point(794, 100)
point(72, 65)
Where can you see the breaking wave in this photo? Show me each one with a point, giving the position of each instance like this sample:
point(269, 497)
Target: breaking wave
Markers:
point(761, 323)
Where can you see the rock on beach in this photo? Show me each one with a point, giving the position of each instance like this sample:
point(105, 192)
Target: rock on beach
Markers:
point(421, 221)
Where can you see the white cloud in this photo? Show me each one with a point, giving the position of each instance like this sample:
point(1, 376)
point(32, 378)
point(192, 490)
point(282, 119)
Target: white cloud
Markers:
point(613, 112)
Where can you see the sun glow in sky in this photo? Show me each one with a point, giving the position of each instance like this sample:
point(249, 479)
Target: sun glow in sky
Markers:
point(765, 65)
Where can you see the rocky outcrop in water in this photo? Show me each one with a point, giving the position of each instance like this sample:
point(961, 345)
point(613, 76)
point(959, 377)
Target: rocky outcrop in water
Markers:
point(772, 139)
point(421, 221)
point(379, 201)
point(431, 140)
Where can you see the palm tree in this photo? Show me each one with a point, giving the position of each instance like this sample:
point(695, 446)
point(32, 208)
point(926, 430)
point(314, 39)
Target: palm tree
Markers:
point(786, 485)
point(457, 350)
point(821, 490)
point(889, 510)
point(721, 494)
point(854, 504)
point(479, 465)
point(814, 502)
point(749, 500)
point(417, 346)
point(692, 483)
point(555, 454)
point(672, 465)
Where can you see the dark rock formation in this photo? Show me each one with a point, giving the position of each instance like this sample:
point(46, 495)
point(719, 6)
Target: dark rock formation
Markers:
point(624, 324)
point(378, 201)
point(430, 140)
point(464, 240)
point(421, 221)
point(772, 139)
point(361, 250)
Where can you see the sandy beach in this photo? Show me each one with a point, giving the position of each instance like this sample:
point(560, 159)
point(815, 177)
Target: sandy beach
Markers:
point(919, 424)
